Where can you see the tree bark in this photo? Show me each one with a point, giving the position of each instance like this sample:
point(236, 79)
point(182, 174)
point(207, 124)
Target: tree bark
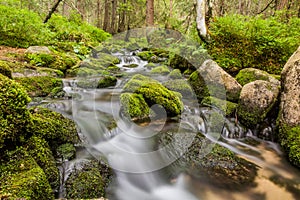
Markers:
point(150, 13)
point(52, 11)
point(200, 21)
point(113, 16)
point(106, 15)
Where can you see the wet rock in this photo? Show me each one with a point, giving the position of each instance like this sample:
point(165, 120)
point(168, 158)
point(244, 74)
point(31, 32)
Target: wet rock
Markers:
point(162, 70)
point(88, 180)
point(251, 74)
point(175, 74)
point(289, 117)
point(257, 99)
point(227, 107)
point(211, 80)
point(181, 86)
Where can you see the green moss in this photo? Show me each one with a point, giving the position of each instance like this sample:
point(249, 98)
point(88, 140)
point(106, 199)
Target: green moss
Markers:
point(249, 74)
point(14, 116)
point(51, 72)
point(155, 93)
point(5, 69)
point(145, 55)
point(21, 177)
point(150, 65)
point(179, 62)
point(131, 65)
point(53, 127)
point(83, 72)
point(134, 106)
point(289, 138)
point(198, 84)
point(59, 61)
point(227, 107)
point(160, 70)
point(179, 85)
point(39, 149)
point(107, 81)
point(66, 151)
point(39, 86)
point(175, 74)
point(88, 182)
point(57, 92)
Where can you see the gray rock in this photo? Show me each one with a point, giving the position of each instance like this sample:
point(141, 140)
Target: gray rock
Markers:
point(38, 50)
point(290, 97)
point(256, 100)
point(211, 80)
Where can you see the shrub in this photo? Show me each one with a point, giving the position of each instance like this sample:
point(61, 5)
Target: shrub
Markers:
point(21, 28)
point(240, 41)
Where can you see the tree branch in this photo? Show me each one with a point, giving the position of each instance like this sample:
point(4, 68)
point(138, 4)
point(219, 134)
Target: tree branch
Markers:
point(263, 10)
point(53, 9)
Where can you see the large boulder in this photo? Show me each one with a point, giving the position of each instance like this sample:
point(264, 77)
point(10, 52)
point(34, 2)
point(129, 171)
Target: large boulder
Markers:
point(256, 100)
point(289, 116)
point(248, 75)
point(211, 80)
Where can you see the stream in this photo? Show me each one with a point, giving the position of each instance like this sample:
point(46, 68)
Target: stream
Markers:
point(141, 167)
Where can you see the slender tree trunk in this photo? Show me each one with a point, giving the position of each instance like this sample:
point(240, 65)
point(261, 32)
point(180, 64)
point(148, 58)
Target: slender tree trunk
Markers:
point(200, 21)
point(150, 13)
point(106, 15)
point(98, 13)
point(52, 11)
point(113, 16)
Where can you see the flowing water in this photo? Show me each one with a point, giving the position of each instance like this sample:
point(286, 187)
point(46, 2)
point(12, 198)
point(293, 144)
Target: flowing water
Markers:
point(141, 167)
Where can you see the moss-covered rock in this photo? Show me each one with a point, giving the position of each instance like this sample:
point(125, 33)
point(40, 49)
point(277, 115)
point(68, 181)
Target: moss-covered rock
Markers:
point(53, 127)
point(5, 69)
point(178, 62)
point(227, 107)
point(257, 99)
point(290, 140)
point(132, 65)
point(39, 149)
point(14, 116)
point(155, 93)
point(251, 74)
point(289, 115)
point(163, 70)
point(39, 86)
point(107, 81)
point(150, 65)
point(84, 72)
point(175, 74)
point(66, 151)
point(134, 106)
point(57, 60)
point(209, 161)
point(22, 178)
point(181, 86)
point(89, 182)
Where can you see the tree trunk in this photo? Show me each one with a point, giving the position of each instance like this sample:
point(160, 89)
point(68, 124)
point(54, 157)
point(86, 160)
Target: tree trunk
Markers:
point(52, 11)
point(150, 13)
point(98, 13)
point(106, 15)
point(200, 21)
point(113, 16)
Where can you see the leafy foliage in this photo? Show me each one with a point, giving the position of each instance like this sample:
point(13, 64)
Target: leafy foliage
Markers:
point(240, 42)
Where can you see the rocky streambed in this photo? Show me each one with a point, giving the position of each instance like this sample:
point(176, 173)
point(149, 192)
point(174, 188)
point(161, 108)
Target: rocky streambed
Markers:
point(221, 133)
